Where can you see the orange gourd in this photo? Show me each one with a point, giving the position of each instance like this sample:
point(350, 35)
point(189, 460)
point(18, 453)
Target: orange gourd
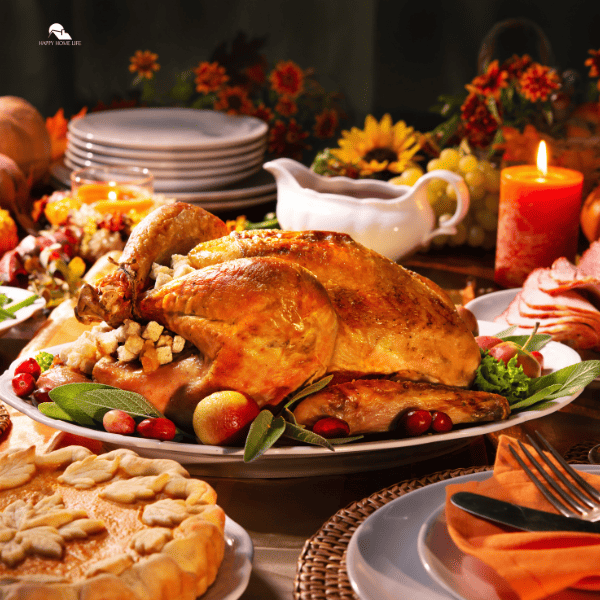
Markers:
point(14, 189)
point(24, 137)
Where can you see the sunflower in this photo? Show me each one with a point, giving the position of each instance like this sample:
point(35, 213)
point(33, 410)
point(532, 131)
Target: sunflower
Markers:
point(144, 63)
point(379, 148)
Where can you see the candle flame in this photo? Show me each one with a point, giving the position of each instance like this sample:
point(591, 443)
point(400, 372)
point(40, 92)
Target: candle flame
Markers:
point(542, 158)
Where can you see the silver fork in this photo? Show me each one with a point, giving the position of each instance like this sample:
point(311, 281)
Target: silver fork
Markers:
point(576, 499)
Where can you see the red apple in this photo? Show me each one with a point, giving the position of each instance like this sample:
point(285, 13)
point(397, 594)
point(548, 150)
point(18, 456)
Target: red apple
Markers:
point(485, 342)
point(507, 350)
point(223, 418)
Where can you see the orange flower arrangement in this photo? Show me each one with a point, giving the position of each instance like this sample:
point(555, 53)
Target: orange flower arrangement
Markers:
point(144, 63)
point(299, 112)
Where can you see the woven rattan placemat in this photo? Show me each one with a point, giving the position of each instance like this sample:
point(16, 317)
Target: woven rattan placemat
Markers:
point(321, 570)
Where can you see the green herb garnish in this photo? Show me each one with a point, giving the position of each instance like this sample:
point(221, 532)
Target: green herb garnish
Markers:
point(522, 392)
point(8, 312)
point(45, 360)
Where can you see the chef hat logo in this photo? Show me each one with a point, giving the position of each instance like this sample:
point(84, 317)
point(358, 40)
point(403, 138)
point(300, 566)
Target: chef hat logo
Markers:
point(59, 31)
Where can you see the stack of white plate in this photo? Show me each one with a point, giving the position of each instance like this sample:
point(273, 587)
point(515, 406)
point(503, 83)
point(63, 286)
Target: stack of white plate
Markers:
point(201, 156)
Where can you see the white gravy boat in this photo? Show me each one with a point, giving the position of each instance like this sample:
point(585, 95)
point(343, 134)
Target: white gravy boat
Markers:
point(394, 220)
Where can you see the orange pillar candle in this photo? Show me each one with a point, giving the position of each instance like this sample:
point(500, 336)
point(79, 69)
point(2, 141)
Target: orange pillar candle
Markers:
point(538, 219)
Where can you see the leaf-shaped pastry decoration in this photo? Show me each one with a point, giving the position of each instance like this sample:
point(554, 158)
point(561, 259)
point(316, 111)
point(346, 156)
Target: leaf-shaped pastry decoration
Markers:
point(131, 490)
point(165, 513)
point(18, 469)
point(88, 472)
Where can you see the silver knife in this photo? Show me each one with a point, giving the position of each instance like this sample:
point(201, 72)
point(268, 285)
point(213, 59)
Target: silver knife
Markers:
point(519, 517)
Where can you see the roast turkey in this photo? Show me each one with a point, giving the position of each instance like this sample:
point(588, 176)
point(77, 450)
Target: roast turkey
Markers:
point(270, 311)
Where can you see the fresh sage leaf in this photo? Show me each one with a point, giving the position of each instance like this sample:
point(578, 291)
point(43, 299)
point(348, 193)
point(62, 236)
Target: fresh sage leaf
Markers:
point(537, 342)
point(54, 411)
point(571, 378)
point(67, 397)
point(300, 434)
point(540, 395)
point(99, 401)
point(264, 431)
point(345, 440)
point(313, 388)
point(505, 332)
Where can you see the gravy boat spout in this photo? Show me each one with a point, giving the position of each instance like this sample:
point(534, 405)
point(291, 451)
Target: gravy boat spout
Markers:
point(394, 220)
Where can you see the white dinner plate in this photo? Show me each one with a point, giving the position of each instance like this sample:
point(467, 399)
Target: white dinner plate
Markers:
point(305, 460)
point(233, 204)
point(489, 306)
point(168, 128)
point(383, 560)
point(192, 184)
point(172, 173)
point(177, 156)
point(259, 184)
point(17, 295)
point(464, 576)
point(164, 167)
point(234, 572)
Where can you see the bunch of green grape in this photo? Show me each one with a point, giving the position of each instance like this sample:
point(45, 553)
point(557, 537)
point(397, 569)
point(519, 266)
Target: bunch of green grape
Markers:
point(478, 229)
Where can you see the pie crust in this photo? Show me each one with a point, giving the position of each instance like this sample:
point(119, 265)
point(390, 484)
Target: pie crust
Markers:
point(79, 526)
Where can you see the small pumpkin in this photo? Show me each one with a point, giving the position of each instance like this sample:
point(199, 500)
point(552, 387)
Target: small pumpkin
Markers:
point(14, 188)
point(24, 137)
point(590, 216)
point(9, 237)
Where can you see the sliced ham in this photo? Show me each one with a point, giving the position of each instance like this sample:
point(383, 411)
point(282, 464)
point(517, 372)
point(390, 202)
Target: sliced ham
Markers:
point(589, 265)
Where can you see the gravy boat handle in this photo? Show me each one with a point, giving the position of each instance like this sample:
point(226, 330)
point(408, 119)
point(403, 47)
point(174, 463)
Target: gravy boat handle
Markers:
point(462, 201)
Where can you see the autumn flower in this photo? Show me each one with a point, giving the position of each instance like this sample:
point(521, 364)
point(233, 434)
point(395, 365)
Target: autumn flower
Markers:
point(516, 65)
point(594, 64)
point(263, 112)
point(491, 82)
point(538, 82)
point(380, 147)
point(287, 79)
point(286, 107)
point(288, 139)
point(326, 123)
point(144, 64)
point(234, 101)
point(478, 122)
point(209, 77)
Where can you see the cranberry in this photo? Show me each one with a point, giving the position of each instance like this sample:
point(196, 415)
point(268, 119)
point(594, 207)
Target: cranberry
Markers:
point(30, 366)
point(23, 384)
point(40, 395)
point(157, 429)
point(118, 421)
point(440, 421)
point(331, 427)
point(415, 422)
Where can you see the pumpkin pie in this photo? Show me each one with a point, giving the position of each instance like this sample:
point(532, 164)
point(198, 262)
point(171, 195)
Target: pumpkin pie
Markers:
point(79, 526)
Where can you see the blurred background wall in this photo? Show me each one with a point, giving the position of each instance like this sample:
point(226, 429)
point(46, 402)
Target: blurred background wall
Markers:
point(383, 55)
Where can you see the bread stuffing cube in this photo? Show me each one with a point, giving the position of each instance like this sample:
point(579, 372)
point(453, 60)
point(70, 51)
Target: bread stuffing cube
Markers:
point(152, 331)
point(107, 342)
point(131, 328)
point(164, 340)
point(125, 355)
point(164, 355)
point(134, 344)
point(178, 343)
point(162, 279)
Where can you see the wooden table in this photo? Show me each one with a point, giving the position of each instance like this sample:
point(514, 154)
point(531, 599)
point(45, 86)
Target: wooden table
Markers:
point(281, 514)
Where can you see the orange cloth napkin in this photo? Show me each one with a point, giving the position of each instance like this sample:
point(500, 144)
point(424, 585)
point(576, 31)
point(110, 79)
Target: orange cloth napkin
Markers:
point(535, 564)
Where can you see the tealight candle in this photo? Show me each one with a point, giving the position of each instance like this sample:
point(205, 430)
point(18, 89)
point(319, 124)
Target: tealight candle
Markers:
point(538, 218)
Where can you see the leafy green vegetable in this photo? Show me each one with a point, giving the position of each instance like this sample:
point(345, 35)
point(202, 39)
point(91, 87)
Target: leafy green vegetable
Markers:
point(497, 378)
